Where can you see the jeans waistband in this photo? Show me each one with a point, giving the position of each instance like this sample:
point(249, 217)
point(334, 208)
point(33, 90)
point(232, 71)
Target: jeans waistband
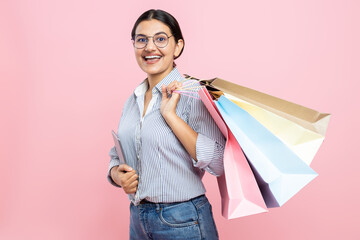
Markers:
point(146, 202)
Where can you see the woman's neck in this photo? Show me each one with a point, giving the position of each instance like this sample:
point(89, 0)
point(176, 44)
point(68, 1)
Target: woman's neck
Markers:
point(154, 79)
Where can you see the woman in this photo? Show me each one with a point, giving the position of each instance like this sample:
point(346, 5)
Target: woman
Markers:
point(168, 142)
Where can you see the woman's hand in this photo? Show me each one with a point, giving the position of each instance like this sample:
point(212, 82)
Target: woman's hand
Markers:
point(126, 177)
point(168, 104)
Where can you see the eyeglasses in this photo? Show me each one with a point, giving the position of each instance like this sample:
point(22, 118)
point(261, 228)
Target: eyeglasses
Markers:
point(160, 40)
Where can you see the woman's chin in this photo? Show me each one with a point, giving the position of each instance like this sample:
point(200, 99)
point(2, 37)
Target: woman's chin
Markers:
point(151, 71)
point(154, 70)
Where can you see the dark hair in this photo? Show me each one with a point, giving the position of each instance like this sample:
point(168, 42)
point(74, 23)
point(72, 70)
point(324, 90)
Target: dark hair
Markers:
point(165, 18)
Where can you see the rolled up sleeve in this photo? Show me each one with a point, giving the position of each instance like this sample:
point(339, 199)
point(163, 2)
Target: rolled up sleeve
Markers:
point(210, 142)
point(209, 154)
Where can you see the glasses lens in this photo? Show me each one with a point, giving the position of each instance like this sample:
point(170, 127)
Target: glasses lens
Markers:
point(161, 40)
point(140, 41)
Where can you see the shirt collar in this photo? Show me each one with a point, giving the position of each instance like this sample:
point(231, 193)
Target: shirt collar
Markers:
point(141, 89)
point(172, 76)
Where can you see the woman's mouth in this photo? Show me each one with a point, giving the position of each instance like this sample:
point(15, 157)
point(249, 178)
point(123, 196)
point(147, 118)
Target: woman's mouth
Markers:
point(152, 59)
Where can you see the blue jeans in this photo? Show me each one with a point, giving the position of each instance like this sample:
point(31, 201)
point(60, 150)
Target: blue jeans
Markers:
point(191, 219)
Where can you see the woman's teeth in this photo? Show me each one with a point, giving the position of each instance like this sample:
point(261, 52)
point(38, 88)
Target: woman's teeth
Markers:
point(152, 57)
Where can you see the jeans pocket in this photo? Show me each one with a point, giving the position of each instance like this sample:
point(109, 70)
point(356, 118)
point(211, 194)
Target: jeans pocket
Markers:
point(179, 215)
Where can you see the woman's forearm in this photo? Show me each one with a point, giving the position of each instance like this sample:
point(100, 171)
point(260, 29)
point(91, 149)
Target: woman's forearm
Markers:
point(186, 135)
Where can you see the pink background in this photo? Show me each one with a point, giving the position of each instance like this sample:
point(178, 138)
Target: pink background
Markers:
point(66, 68)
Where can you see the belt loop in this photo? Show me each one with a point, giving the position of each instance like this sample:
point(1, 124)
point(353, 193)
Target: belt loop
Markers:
point(158, 207)
point(197, 199)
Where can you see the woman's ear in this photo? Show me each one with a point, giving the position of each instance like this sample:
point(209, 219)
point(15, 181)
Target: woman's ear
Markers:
point(178, 47)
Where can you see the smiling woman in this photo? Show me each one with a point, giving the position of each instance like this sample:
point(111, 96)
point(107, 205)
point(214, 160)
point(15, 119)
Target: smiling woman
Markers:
point(168, 142)
point(162, 50)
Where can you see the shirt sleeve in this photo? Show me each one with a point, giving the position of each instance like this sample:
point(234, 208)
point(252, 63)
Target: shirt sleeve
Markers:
point(114, 161)
point(210, 141)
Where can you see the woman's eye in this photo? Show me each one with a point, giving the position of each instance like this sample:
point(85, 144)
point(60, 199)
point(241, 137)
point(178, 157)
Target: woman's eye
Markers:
point(141, 40)
point(160, 39)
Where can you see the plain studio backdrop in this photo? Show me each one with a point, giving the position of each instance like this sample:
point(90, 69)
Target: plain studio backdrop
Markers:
point(67, 67)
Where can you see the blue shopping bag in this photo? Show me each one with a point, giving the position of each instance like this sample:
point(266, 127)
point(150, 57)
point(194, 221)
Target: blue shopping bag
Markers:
point(279, 172)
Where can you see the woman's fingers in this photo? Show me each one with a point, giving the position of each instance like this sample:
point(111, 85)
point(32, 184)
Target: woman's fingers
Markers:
point(133, 184)
point(173, 86)
point(124, 176)
point(131, 187)
point(132, 179)
point(129, 177)
point(164, 92)
point(129, 180)
point(132, 190)
point(168, 104)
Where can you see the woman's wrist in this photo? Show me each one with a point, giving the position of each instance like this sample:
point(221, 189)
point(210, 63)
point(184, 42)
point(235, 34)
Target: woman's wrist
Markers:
point(170, 118)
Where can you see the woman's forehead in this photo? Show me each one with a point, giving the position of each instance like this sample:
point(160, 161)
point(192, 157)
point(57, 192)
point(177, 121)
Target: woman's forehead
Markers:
point(151, 27)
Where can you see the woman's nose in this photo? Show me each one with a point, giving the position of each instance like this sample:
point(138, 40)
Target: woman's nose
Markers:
point(150, 46)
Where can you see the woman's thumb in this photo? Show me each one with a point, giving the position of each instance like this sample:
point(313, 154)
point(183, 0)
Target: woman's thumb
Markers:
point(125, 168)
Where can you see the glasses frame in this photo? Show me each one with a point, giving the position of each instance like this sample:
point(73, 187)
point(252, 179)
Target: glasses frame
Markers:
point(147, 39)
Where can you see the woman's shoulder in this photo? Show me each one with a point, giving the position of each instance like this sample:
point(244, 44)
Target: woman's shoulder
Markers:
point(129, 102)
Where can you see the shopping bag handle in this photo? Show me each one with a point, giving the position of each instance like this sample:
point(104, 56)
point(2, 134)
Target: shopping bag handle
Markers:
point(202, 81)
point(216, 93)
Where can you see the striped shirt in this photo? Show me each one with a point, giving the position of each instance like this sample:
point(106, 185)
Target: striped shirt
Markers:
point(167, 172)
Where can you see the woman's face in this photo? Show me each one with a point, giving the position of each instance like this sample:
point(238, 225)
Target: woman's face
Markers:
point(162, 66)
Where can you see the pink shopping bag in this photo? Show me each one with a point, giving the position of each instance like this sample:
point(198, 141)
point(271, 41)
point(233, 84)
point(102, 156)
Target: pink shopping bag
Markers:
point(240, 194)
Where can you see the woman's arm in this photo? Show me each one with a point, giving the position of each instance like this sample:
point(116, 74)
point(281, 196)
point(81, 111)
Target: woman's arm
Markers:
point(200, 136)
point(186, 135)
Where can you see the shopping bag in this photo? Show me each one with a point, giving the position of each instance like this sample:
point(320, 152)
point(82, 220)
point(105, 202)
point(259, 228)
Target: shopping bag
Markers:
point(280, 173)
point(302, 141)
point(301, 128)
point(240, 194)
